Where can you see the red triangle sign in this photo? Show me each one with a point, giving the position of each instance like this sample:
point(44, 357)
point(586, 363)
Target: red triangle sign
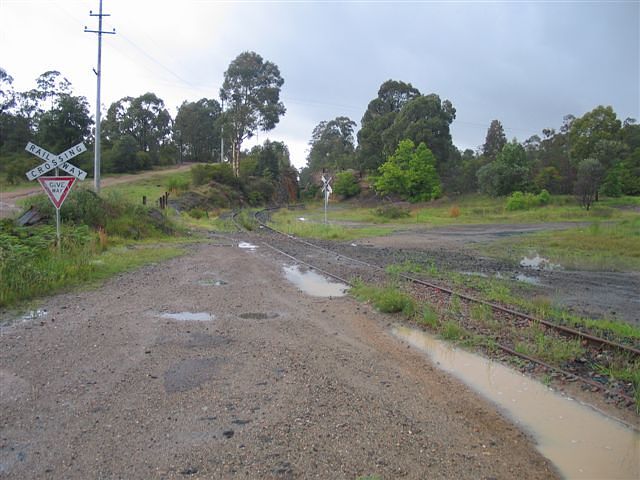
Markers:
point(57, 188)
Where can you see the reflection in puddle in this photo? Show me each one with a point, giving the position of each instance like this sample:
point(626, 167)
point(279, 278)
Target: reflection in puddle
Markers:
point(527, 279)
point(247, 246)
point(581, 442)
point(189, 316)
point(538, 263)
point(314, 284)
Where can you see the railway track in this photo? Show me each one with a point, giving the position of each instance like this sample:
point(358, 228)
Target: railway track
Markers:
point(328, 261)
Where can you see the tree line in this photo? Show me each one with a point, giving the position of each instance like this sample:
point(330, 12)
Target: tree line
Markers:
point(594, 153)
point(404, 145)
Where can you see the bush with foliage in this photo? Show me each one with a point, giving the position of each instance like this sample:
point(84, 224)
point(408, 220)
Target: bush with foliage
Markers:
point(218, 172)
point(509, 172)
point(525, 201)
point(346, 184)
point(111, 213)
point(410, 172)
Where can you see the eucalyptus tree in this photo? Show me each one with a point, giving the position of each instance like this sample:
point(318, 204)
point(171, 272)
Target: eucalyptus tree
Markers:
point(424, 119)
point(66, 124)
point(144, 118)
point(377, 119)
point(332, 145)
point(195, 130)
point(251, 96)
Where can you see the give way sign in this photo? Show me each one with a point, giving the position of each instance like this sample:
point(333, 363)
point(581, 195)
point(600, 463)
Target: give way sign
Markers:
point(57, 188)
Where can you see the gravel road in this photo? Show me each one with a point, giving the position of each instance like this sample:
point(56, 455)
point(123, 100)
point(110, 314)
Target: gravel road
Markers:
point(278, 384)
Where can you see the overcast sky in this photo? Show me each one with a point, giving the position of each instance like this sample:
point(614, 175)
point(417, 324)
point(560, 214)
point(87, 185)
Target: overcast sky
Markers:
point(525, 63)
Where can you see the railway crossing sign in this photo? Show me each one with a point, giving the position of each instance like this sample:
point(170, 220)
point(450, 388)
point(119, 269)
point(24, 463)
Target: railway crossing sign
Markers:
point(57, 188)
point(52, 161)
point(326, 188)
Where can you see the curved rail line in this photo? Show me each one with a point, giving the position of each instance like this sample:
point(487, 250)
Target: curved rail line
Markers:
point(567, 331)
point(560, 328)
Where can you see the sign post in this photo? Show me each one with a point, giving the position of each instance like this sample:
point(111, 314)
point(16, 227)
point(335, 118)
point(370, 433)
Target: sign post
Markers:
point(57, 188)
point(326, 188)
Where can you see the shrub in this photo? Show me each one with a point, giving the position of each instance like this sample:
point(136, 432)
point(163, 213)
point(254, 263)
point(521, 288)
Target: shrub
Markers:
point(544, 197)
point(219, 172)
point(197, 213)
point(525, 201)
point(454, 212)
point(392, 211)
point(346, 184)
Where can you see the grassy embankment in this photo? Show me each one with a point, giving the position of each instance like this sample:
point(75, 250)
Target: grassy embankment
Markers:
point(101, 236)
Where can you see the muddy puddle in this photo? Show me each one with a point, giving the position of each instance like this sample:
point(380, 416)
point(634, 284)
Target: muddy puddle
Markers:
point(528, 279)
point(580, 441)
point(189, 316)
point(247, 246)
point(313, 283)
point(536, 262)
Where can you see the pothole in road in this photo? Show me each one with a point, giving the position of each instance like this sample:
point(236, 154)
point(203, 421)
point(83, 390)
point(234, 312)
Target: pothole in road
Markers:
point(189, 374)
point(580, 441)
point(313, 283)
point(189, 316)
point(258, 316)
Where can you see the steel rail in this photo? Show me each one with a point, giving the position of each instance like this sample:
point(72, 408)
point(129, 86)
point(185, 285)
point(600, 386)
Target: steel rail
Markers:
point(510, 351)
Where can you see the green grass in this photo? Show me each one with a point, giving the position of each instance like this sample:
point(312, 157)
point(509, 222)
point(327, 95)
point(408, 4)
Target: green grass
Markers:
point(34, 272)
point(473, 209)
point(453, 332)
point(429, 317)
point(152, 188)
point(609, 246)
point(549, 348)
point(385, 299)
point(211, 223)
point(285, 222)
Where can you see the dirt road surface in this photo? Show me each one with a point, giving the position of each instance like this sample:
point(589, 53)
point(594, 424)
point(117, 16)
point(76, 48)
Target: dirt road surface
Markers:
point(279, 384)
point(8, 207)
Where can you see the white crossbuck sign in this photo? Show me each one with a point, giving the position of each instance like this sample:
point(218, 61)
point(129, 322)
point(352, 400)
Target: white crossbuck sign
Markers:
point(52, 161)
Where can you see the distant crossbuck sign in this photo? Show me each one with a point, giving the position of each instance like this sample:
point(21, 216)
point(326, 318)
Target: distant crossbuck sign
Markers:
point(52, 161)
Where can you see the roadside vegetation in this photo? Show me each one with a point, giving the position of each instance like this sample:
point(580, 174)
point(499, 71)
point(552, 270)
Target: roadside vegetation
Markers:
point(100, 236)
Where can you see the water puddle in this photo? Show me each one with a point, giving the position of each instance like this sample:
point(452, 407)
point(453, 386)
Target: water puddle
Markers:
point(527, 279)
point(258, 316)
point(302, 219)
point(539, 263)
point(582, 443)
point(212, 283)
point(247, 246)
point(313, 283)
point(189, 316)
point(34, 315)
point(475, 274)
